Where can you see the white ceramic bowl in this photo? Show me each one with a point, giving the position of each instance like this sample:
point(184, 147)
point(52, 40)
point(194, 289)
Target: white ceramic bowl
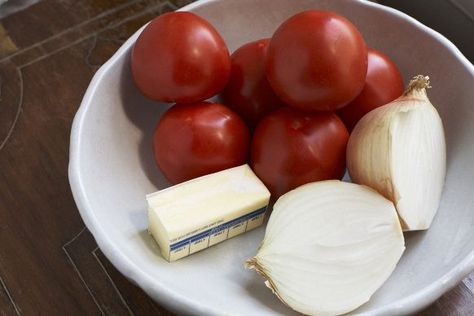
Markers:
point(112, 168)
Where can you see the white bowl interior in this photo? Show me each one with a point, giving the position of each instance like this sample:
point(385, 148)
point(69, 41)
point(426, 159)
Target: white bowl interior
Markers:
point(115, 169)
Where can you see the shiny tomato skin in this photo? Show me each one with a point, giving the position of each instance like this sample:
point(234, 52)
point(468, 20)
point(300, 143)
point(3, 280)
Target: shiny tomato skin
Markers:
point(193, 140)
point(317, 61)
point(248, 92)
point(291, 148)
point(180, 57)
point(383, 84)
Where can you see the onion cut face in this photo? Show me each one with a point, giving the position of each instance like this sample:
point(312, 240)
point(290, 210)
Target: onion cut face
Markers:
point(329, 246)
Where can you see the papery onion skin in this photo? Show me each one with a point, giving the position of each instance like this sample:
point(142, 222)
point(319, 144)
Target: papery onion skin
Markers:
point(399, 150)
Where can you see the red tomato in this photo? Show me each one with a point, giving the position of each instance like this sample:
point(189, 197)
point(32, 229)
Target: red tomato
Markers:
point(192, 140)
point(291, 148)
point(179, 57)
point(317, 61)
point(248, 92)
point(383, 84)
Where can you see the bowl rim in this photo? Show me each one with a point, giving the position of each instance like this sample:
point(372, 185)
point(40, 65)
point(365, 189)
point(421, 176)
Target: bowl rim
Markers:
point(178, 302)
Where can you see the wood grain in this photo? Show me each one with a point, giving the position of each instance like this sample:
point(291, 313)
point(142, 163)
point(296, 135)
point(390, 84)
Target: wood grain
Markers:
point(49, 263)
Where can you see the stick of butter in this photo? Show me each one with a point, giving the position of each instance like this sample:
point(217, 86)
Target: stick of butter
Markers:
point(202, 212)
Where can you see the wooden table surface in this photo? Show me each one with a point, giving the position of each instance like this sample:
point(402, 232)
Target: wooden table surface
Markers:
point(49, 262)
